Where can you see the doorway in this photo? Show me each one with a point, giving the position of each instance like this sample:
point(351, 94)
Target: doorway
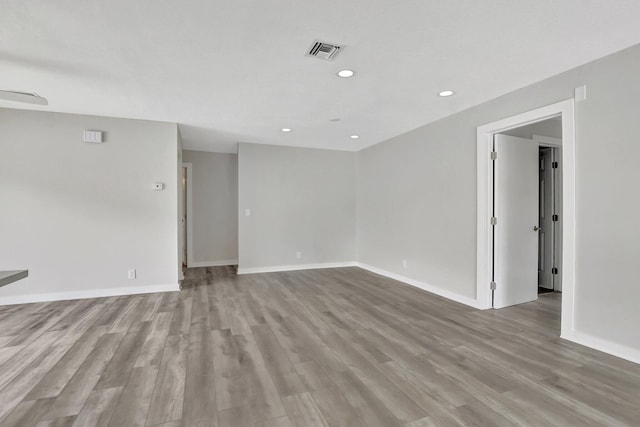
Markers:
point(186, 246)
point(525, 219)
point(549, 219)
point(503, 283)
point(183, 220)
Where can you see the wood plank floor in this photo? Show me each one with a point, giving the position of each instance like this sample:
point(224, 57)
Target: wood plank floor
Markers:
point(335, 347)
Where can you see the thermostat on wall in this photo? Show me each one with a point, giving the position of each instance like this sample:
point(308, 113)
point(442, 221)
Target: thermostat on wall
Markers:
point(157, 186)
point(93, 136)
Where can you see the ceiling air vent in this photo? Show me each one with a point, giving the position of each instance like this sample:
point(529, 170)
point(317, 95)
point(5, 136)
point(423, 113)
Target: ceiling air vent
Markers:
point(322, 50)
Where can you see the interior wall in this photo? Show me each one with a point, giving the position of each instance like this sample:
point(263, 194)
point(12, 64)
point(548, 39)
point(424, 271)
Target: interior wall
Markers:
point(215, 207)
point(300, 200)
point(79, 215)
point(417, 195)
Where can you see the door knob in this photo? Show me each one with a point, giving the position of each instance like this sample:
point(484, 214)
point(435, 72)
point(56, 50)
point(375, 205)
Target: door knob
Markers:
point(536, 228)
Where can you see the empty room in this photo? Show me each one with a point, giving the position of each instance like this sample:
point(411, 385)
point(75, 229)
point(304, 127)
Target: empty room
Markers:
point(345, 214)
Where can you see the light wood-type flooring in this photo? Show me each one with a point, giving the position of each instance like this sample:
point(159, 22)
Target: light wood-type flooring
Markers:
point(334, 347)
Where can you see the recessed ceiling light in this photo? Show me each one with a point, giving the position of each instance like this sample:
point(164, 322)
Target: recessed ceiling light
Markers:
point(446, 93)
point(354, 136)
point(285, 130)
point(346, 73)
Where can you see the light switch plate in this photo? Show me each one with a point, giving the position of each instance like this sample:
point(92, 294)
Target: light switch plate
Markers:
point(92, 136)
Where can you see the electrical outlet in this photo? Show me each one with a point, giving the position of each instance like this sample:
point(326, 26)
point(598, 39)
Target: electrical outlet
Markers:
point(299, 255)
point(247, 212)
point(404, 263)
point(131, 274)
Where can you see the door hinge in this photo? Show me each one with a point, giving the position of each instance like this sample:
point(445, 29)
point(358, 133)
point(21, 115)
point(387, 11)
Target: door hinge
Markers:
point(494, 220)
point(554, 165)
point(494, 155)
point(554, 217)
point(554, 270)
point(492, 286)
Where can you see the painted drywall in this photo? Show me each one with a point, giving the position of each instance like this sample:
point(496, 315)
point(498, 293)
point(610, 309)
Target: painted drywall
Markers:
point(417, 196)
point(215, 207)
point(79, 215)
point(300, 200)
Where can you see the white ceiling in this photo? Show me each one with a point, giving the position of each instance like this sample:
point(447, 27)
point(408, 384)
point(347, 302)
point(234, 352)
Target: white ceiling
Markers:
point(235, 70)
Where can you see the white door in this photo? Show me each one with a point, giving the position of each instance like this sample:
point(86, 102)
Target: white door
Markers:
point(546, 235)
point(557, 225)
point(183, 219)
point(516, 209)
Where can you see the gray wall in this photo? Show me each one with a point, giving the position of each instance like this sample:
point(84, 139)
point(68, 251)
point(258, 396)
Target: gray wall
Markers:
point(215, 206)
point(417, 195)
point(300, 200)
point(79, 215)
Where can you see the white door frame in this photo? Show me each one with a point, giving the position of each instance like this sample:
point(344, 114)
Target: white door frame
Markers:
point(485, 195)
point(188, 167)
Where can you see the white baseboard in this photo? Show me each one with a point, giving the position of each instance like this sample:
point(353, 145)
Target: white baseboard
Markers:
point(89, 293)
point(618, 350)
point(294, 267)
point(424, 286)
point(212, 263)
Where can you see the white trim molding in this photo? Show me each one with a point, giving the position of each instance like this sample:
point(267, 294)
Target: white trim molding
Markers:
point(424, 286)
point(212, 263)
point(484, 140)
point(89, 293)
point(253, 270)
point(618, 350)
